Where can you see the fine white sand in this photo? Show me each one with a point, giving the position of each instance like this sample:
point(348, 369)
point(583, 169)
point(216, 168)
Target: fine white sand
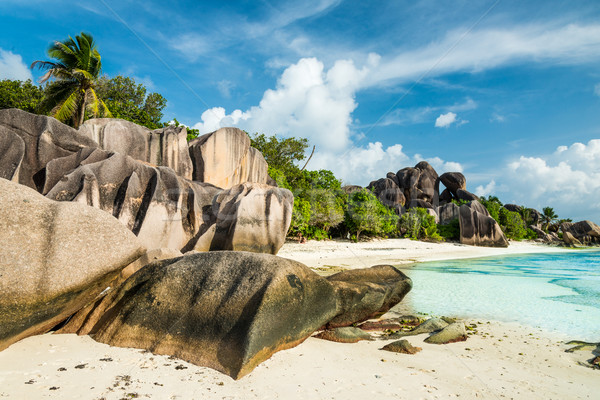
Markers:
point(500, 361)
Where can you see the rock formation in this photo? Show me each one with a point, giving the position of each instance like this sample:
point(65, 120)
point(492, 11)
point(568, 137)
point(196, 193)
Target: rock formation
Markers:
point(41, 139)
point(225, 159)
point(478, 228)
point(161, 147)
point(367, 293)
point(225, 310)
point(56, 258)
point(346, 334)
point(585, 232)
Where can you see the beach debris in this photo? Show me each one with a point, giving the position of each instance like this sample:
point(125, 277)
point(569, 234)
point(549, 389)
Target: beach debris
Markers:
point(401, 346)
point(56, 257)
point(225, 310)
point(431, 325)
point(455, 332)
point(580, 345)
point(391, 324)
point(367, 293)
point(346, 334)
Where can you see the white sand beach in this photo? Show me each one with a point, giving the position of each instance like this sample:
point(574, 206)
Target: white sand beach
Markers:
point(499, 361)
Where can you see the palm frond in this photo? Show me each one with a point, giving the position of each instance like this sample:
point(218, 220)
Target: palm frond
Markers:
point(67, 109)
point(93, 103)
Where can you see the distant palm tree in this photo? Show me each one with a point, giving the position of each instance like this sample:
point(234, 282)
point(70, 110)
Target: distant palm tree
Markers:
point(548, 216)
point(76, 68)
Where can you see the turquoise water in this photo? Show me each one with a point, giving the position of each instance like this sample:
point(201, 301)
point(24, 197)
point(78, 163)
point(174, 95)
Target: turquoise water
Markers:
point(558, 292)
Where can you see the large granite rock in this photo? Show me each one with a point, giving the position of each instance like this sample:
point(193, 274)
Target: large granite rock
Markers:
point(388, 192)
point(478, 228)
point(56, 258)
point(225, 159)
point(367, 293)
point(12, 149)
point(42, 139)
point(454, 181)
point(447, 213)
point(251, 217)
point(426, 182)
point(465, 195)
point(585, 232)
point(161, 147)
point(225, 310)
point(167, 211)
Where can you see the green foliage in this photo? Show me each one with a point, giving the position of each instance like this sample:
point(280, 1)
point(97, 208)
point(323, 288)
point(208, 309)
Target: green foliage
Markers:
point(281, 154)
point(300, 218)
point(512, 224)
point(460, 202)
point(450, 231)
point(327, 209)
point(128, 100)
point(548, 217)
point(493, 205)
point(22, 95)
point(74, 69)
point(417, 223)
point(365, 213)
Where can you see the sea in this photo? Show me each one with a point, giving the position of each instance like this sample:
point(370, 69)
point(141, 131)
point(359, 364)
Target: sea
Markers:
point(557, 292)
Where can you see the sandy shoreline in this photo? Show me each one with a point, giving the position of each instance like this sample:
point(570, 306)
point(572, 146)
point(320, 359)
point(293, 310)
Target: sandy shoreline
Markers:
point(501, 360)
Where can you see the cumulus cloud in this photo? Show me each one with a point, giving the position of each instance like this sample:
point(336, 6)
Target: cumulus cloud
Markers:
point(13, 67)
point(568, 180)
point(445, 120)
point(486, 190)
point(308, 101)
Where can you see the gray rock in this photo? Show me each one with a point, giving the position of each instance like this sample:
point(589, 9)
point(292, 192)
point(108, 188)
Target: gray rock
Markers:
point(349, 189)
point(455, 332)
point(426, 182)
point(161, 147)
point(56, 258)
point(478, 229)
point(454, 181)
point(465, 195)
point(571, 240)
point(347, 334)
point(448, 212)
point(431, 325)
point(388, 192)
point(401, 346)
point(225, 310)
point(513, 208)
point(12, 149)
point(585, 232)
point(44, 139)
point(367, 293)
point(224, 158)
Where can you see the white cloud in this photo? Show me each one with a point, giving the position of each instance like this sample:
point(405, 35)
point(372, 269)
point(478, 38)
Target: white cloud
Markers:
point(489, 48)
point(486, 190)
point(307, 102)
point(445, 120)
point(408, 116)
point(568, 180)
point(224, 86)
point(497, 118)
point(13, 67)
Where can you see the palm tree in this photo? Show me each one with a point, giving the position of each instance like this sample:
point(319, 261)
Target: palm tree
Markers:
point(75, 70)
point(548, 217)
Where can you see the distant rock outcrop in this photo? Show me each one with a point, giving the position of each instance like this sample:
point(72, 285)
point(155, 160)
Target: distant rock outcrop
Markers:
point(225, 158)
point(161, 147)
point(56, 258)
point(225, 310)
point(367, 293)
point(31, 141)
point(585, 232)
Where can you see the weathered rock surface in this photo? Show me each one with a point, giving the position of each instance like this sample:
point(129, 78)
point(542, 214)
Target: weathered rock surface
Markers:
point(465, 195)
point(251, 217)
point(401, 346)
point(479, 229)
point(349, 189)
point(167, 211)
point(56, 258)
point(347, 334)
point(388, 192)
point(161, 147)
point(225, 159)
point(454, 181)
point(431, 325)
point(12, 149)
point(367, 293)
point(447, 213)
point(453, 333)
point(84, 321)
point(585, 232)
point(546, 237)
point(571, 240)
point(225, 310)
point(42, 139)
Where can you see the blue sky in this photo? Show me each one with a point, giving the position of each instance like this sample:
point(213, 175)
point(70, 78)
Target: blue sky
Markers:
point(508, 92)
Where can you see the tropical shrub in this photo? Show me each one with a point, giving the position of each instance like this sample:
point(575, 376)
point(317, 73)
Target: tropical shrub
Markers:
point(417, 223)
point(366, 214)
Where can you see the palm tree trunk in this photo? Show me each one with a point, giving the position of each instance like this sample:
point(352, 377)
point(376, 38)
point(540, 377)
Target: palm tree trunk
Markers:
point(80, 113)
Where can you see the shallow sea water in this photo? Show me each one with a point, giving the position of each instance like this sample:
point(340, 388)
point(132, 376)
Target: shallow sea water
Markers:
point(558, 292)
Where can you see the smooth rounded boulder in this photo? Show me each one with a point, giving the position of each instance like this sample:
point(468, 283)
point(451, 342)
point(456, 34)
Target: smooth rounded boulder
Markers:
point(56, 258)
point(229, 311)
point(367, 293)
point(478, 228)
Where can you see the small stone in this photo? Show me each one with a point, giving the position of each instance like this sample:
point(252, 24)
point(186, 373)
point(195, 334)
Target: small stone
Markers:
point(402, 346)
point(347, 334)
point(455, 332)
point(80, 366)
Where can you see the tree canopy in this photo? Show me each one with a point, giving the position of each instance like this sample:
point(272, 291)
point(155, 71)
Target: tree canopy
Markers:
point(23, 95)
